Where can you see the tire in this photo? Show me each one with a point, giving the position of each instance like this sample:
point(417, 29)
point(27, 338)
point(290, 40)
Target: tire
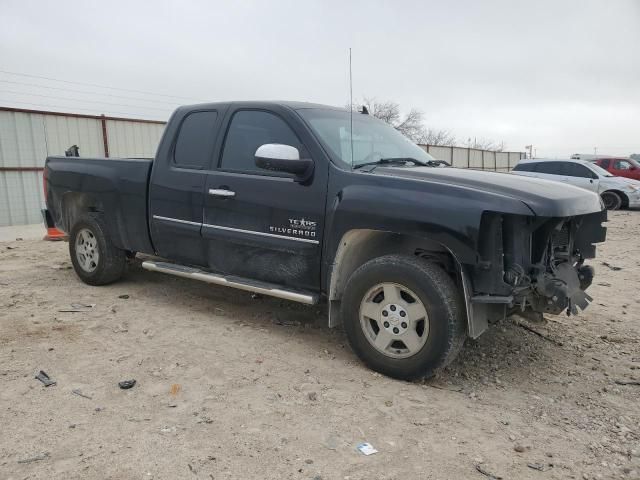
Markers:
point(611, 200)
point(403, 277)
point(94, 257)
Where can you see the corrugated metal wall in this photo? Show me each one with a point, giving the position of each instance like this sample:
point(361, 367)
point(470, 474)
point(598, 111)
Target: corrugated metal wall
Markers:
point(461, 157)
point(133, 139)
point(28, 137)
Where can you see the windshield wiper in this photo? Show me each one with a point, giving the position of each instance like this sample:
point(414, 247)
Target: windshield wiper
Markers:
point(393, 161)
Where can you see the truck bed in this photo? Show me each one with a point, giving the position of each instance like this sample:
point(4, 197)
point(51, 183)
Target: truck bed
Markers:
point(116, 186)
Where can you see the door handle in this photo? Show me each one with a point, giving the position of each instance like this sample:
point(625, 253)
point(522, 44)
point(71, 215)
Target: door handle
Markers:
point(221, 192)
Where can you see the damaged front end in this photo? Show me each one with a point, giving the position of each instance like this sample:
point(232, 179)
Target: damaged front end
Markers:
point(529, 263)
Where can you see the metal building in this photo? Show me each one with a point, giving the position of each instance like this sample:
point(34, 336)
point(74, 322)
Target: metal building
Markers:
point(27, 137)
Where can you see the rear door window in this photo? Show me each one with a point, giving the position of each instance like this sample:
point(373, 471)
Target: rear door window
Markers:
point(551, 168)
point(196, 139)
point(605, 163)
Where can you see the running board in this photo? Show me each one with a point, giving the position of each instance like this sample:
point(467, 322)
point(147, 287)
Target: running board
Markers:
point(229, 281)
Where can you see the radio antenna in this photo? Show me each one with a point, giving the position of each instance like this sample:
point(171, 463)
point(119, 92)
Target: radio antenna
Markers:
point(351, 105)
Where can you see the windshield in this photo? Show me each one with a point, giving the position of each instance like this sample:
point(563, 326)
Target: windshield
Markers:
point(373, 140)
point(600, 171)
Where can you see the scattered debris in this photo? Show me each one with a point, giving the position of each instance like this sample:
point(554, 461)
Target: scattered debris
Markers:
point(628, 382)
point(286, 323)
point(175, 389)
point(313, 396)
point(604, 284)
point(44, 378)
point(124, 297)
point(388, 403)
point(62, 266)
point(366, 449)
point(37, 458)
point(9, 247)
point(120, 328)
point(78, 307)
point(455, 389)
point(519, 448)
point(536, 332)
point(539, 466)
point(257, 296)
point(331, 442)
point(483, 470)
point(612, 267)
point(77, 391)
point(126, 384)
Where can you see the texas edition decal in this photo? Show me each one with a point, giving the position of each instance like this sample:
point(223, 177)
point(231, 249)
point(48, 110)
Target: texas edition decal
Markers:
point(298, 227)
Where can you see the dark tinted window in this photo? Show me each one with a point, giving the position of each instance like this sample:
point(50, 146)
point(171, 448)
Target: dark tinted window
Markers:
point(551, 168)
point(577, 170)
point(604, 163)
point(525, 167)
point(250, 129)
point(197, 135)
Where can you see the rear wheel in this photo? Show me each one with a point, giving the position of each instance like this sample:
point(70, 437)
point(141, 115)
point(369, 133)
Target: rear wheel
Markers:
point(611, 200)
point(94, 257)
point(403, 316)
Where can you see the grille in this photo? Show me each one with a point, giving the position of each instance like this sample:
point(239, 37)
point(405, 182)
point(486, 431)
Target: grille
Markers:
point(561, 237)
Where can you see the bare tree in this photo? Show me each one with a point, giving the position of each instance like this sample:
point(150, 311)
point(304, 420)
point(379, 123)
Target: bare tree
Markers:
point(485, 144)
point(432, 136)
point(410, 125)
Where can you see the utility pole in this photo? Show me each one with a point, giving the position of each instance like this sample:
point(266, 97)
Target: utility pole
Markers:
point(530, 148)
point(595, 150)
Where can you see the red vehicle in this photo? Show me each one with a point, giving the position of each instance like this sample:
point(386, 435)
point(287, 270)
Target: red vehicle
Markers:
point(620, 167)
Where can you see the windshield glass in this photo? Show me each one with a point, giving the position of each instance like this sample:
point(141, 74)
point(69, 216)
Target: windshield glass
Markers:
point(373, 139)
point(600, 171)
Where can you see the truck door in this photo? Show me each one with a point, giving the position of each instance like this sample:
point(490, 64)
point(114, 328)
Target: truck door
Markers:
point(260, 224)
point(176, 190)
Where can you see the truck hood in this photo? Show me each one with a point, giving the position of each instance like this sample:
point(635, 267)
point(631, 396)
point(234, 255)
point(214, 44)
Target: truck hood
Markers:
point(544, 197)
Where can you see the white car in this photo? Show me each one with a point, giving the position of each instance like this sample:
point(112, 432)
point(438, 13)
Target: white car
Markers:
point(616, 192)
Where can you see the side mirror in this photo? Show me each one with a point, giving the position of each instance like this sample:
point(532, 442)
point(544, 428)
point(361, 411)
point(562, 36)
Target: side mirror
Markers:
point(283, 158)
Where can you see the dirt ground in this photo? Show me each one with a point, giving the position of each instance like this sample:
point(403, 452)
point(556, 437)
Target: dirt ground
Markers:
point(232, 387)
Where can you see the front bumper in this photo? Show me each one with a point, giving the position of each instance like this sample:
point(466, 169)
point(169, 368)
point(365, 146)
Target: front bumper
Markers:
point(634, 199)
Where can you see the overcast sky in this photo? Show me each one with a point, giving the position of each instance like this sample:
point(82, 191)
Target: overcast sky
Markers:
point(562, 75)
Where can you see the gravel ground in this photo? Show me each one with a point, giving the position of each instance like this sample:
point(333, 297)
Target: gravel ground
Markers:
point(234, 387)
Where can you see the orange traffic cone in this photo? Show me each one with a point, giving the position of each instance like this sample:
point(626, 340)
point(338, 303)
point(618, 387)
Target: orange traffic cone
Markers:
point(53, 234)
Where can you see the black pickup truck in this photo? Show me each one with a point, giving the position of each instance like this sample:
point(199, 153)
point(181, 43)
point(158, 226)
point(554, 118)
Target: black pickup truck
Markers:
point(311, 203)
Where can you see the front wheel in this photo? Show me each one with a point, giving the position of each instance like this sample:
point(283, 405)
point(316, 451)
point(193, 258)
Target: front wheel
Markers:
point(403, 316)
point(611, 200)
point(94, 257)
